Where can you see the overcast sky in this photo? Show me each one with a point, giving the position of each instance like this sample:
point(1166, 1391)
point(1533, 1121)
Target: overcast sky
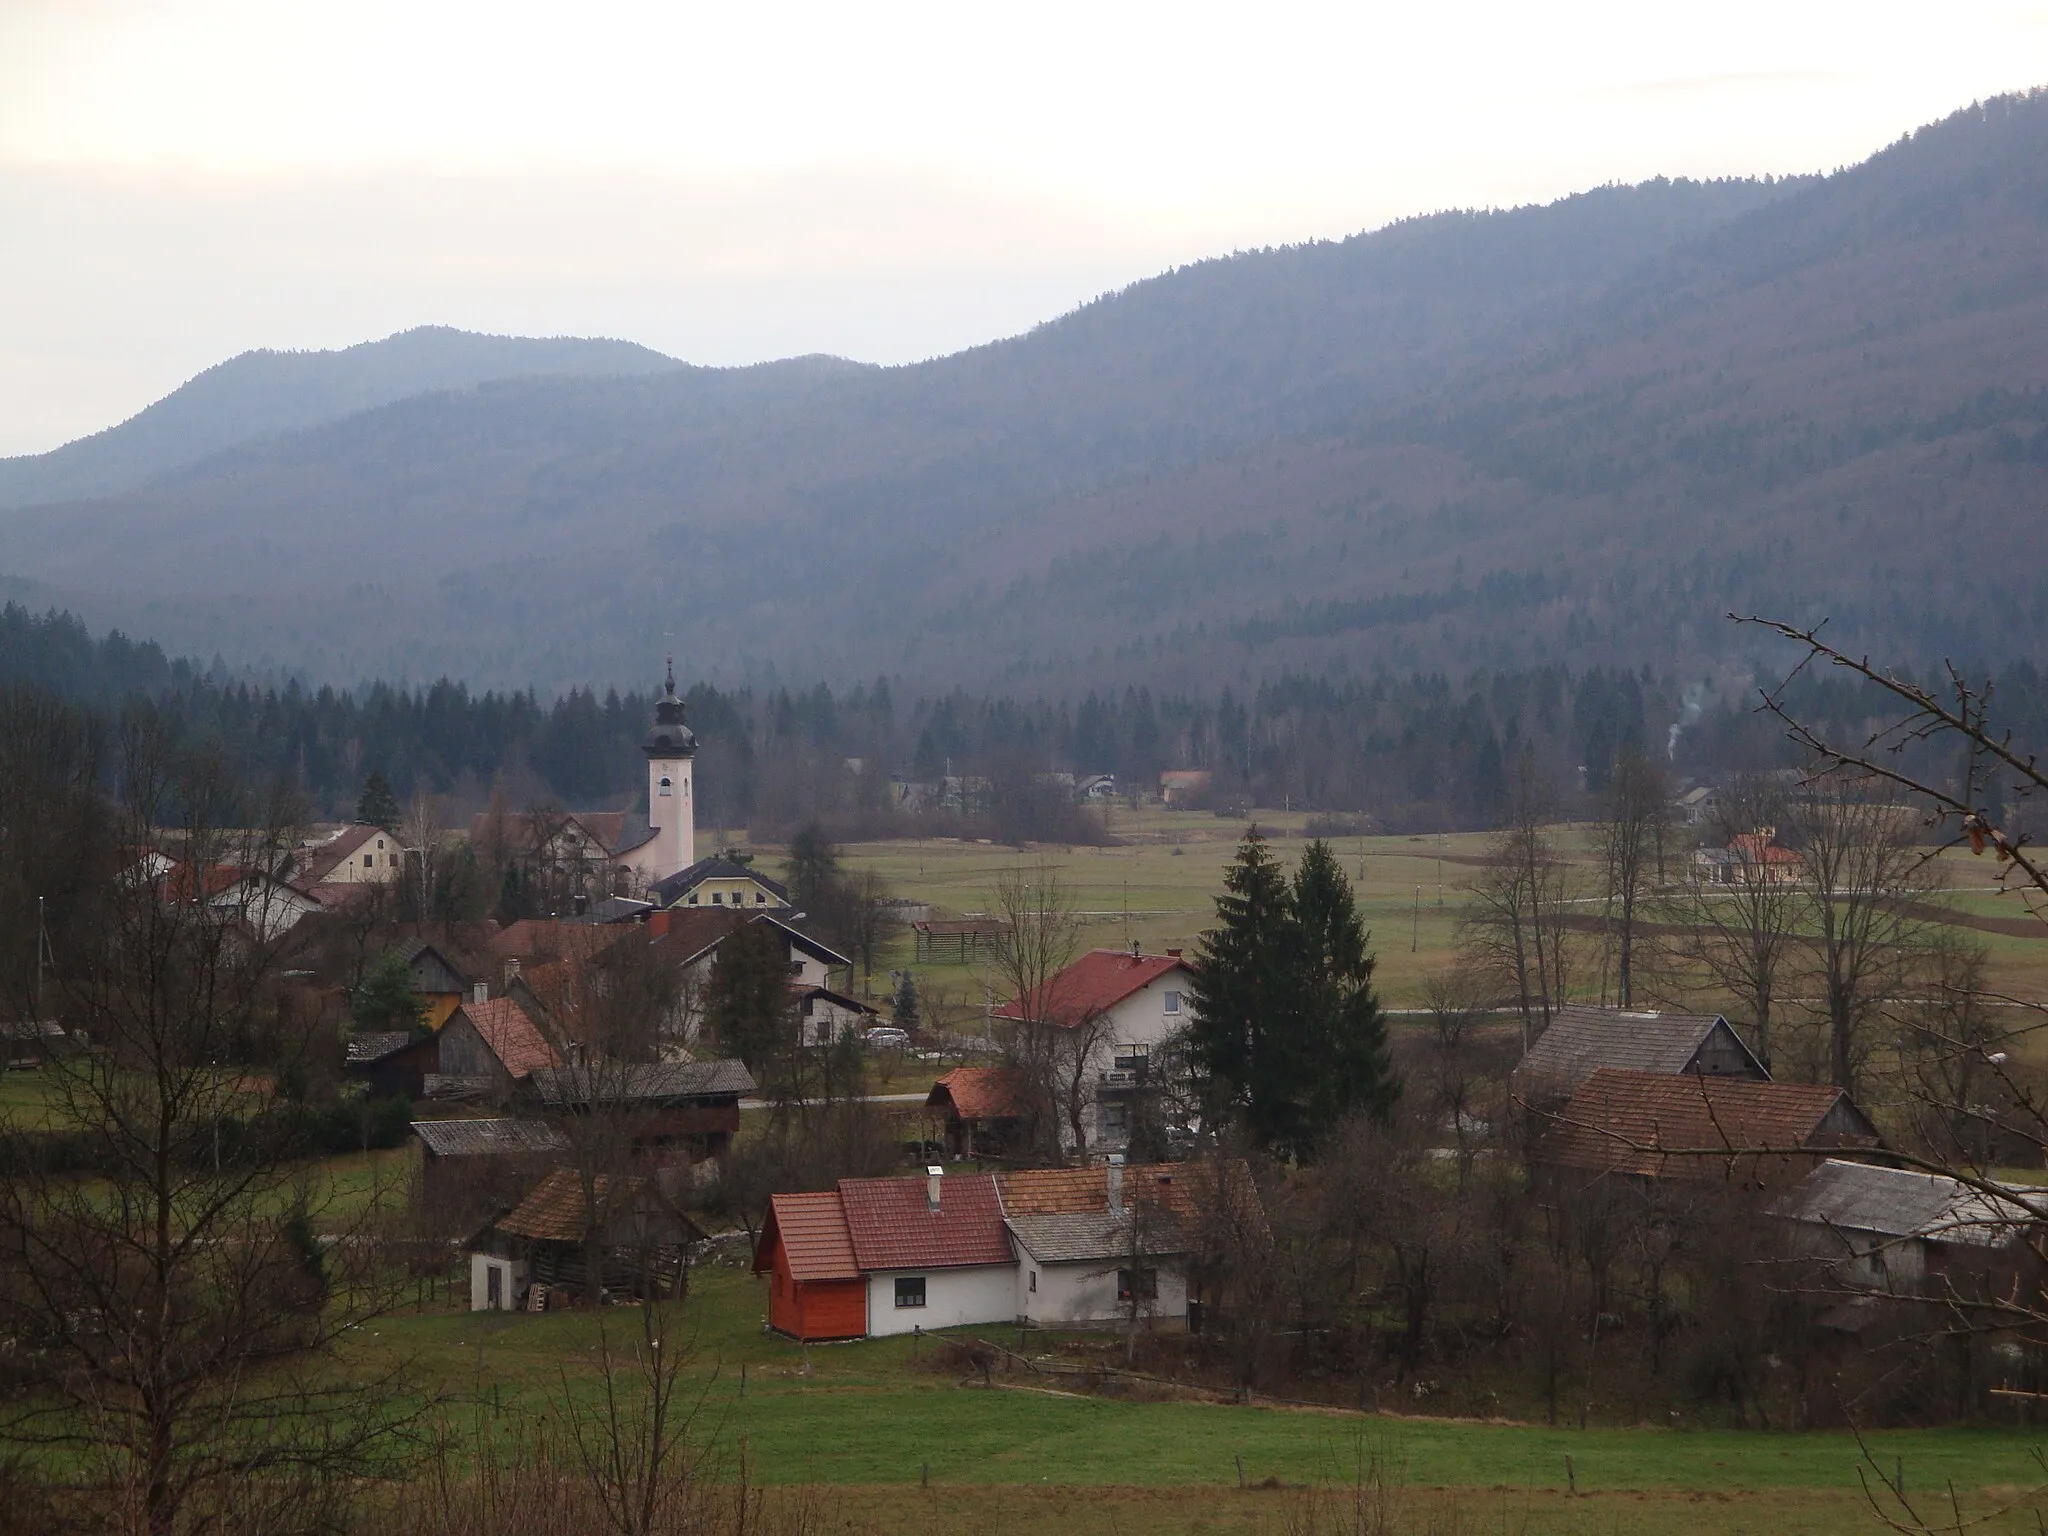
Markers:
point(181, 180)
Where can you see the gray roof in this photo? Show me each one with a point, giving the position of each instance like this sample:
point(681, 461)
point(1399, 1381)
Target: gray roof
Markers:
point(1899, 1202)
point(376, 1045)
point(482, 1138)
point(1091, 1235)
point(1581, 1040)
point(678, 885)
point(642, 1081)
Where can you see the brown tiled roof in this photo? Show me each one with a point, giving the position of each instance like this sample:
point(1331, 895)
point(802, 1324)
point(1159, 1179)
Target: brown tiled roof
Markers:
point(979, 1093)
point(546, 939)
point(1175, 1187)
point(553, 1210)
point(813, 1231)
point(1099, 980)
point(894, 1227)
point(513, 1037)
point(692, 930)
point(1653, 1124)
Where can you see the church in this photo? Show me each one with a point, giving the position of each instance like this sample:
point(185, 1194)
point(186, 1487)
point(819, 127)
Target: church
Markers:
point(663, 862)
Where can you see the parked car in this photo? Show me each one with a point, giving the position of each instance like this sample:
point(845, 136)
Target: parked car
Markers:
point(886, 1037)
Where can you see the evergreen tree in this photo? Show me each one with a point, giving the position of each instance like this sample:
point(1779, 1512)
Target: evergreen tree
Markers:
point(1288, 1034)
point(812, 869)
point(385, 999)
point(746, 1004)
point(1338, 1055)
point(1239, 990)
point(378, 807)
point(903, 1006)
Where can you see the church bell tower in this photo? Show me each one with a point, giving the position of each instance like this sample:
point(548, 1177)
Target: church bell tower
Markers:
point(670, 747)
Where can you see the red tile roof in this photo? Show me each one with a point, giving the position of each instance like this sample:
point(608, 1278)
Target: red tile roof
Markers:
point(812, 1231)
point(979, 1093)
point(546, 938)
point(894, 1227)
point(513, 1037)
point(1686, 1125)
point(1093, 984)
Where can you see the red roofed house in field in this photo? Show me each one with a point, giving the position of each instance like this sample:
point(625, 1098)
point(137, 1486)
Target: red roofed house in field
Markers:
point(493, 1047)
point(882, 1256)
point(1132, 1002)
point(910, 1253)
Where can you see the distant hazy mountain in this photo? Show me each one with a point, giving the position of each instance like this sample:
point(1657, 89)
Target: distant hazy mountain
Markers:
point(1580, 432)
point(260, 394)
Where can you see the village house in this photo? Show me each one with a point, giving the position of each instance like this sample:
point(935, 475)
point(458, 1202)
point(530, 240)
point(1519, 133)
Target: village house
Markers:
point(536, 1256)
point(1750, 859)
point(1582, 1039)
point(719, 881)
point(488, 1050)
point(1897, 1231)
point(1743, 1133)
point(354, 855)
point(1058, 1248)
point(1132, 1003)
point(825, 1017)
point(1184, 788)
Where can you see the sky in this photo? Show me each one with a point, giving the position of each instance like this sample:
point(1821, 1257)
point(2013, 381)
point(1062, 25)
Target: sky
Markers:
point(182, 180)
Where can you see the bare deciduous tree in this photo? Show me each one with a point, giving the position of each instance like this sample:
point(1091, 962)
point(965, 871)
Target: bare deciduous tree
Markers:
point(1631, 837)
point(179, 1293)
point(1513, 924)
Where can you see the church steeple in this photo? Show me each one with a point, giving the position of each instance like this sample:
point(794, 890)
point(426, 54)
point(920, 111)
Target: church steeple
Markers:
point(671, 810)
point(670, 737)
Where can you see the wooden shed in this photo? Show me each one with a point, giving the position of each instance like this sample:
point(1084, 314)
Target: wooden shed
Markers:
point(816, 1290)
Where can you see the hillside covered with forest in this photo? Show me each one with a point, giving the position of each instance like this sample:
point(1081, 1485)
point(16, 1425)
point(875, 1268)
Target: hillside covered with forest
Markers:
point(1575, 435)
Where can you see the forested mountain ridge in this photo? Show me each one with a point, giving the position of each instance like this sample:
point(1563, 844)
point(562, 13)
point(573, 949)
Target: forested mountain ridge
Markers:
point(1573, 434)
point(260, 394)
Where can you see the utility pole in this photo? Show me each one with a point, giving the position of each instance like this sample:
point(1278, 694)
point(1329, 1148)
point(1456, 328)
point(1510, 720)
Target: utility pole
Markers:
point(1415, 939)
point(1439, 867)
point(42, 949)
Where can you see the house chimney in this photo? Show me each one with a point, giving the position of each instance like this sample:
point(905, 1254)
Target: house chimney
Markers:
point(1173, 954)
point(932, 1174)
point(480, 992)
point(1116, 1183)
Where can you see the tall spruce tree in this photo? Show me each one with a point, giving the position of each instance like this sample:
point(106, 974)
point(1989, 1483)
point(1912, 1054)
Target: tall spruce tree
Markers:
point(1339, 1046)
point(1288, 1034)
point(378, 806)
point(1239, 989)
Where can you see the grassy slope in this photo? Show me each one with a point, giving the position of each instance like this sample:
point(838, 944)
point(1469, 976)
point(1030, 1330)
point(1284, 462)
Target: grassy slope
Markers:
point(875, 1415)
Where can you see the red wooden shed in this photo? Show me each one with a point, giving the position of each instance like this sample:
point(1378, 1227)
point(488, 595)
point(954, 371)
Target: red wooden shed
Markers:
point(816, 1289)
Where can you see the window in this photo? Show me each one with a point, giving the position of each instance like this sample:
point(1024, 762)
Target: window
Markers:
point(693, 898)
point(796, 967)
point(380, 845)
point(718, 898)
point(1173, 1002)
point(910, 1290)
point(1135, 1285)
point(1034, 1282)
point(760, 898)
point(667, 785)
point(1116, 1117)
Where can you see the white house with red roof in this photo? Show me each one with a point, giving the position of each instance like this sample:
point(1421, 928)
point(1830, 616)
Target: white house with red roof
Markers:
point(1133, 1003)
point(1062, 1247)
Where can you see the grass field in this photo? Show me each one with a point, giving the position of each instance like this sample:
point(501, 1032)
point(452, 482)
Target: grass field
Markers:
point(877, 1420)
point(1157, 886)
